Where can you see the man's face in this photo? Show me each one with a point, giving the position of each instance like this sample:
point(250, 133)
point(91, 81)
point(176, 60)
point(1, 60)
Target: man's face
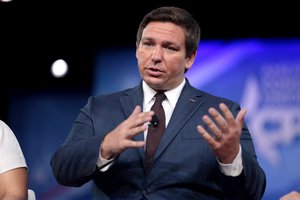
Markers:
point(161, 55)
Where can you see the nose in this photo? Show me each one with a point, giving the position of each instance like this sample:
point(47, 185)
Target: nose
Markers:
point(157, 53)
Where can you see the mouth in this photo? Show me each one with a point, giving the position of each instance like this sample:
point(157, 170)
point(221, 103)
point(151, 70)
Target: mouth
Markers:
point(155, 72)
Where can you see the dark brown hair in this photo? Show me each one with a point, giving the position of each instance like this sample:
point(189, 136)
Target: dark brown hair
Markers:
point(178, 16)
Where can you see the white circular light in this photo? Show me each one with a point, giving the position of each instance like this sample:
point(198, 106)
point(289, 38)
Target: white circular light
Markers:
point(59, 68)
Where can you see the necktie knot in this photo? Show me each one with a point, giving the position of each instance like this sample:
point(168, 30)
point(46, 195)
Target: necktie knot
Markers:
point(160, 97)
point(157, 106)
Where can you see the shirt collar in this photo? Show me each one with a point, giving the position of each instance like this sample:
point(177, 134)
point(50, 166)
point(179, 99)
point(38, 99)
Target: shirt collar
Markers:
point(172, 95)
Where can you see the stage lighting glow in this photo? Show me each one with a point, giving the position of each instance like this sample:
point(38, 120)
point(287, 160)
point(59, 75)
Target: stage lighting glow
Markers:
point(59, 68)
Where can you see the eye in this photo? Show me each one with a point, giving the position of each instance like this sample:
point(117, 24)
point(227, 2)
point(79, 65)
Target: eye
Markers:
point(148, 44)
point(171, 48)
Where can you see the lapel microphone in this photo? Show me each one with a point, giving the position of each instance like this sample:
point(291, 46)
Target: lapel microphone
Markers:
point(154, 121)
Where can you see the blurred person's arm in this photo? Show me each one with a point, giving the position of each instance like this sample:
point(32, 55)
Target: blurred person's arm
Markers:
point(291, 196)
point(14, 184)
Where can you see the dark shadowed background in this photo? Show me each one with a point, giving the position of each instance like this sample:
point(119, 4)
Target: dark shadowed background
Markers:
point(34, 33)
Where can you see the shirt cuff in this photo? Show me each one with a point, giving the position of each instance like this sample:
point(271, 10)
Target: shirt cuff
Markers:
point(235, 168)
point(103, 164)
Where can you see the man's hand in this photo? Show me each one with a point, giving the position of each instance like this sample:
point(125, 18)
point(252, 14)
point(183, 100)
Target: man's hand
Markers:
point(121, 137)
point(226, 132)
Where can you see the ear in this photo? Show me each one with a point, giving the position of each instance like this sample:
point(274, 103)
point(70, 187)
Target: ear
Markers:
point(190, 61)
point(136, 49)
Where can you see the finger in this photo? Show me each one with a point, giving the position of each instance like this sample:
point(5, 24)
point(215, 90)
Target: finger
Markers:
point(131, 143)
point(227, 114)
point(136, 110)
point(136, 130)
point(212, 126)
point(206, 136)
point(219, 119)
point(241, 116)
point(134, 113)
point(140, 119)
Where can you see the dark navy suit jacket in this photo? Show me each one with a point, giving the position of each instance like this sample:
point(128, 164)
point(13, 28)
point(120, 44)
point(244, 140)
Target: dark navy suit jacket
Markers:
point(184, 166)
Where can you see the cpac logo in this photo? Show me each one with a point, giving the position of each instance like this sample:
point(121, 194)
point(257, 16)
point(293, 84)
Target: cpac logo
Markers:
point(271, 126)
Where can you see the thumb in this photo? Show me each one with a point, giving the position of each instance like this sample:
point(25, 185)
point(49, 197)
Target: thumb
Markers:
point(241, 116)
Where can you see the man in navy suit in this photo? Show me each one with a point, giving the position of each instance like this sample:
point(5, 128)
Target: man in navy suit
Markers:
point(206, 151)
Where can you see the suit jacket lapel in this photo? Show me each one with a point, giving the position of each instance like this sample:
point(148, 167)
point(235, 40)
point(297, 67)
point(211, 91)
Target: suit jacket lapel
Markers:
point(188, 103)
point(128, 101)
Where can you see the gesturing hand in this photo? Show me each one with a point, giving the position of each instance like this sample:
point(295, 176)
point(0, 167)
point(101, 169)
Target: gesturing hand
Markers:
point(226, 132)
point(121, 137)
